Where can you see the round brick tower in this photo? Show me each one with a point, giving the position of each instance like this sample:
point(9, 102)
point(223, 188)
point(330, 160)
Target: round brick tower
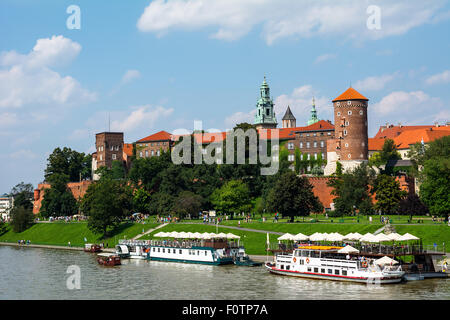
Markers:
point(350, 121)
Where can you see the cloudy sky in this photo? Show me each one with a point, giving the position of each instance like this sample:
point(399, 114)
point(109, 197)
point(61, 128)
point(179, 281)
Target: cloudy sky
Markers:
point(160, 65)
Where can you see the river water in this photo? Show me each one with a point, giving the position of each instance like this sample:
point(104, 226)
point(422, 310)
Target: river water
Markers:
point(34, 273)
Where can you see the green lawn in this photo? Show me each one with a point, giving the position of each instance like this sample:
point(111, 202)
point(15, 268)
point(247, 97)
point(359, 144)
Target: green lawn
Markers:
point(75, 232)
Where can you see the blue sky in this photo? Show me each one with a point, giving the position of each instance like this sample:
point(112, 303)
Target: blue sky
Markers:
point(160, 65)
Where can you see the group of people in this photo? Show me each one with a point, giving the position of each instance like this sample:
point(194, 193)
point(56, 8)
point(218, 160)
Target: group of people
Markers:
point(23, 241)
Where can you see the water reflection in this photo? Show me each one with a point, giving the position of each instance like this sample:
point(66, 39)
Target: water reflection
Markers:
point(31, 273)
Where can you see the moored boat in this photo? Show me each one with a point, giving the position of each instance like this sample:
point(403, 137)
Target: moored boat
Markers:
point(108, 259)
point(89, 247)
point(325, 262)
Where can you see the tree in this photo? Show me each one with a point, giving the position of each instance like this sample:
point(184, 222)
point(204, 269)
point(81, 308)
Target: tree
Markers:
point(292, 196)
point(389, 152)
point(70, 162)
point(375, 160)
point(412, 205)
point(387, 193)
point(233, 196)
point(141, 201)
point(23, 195)
point(58, 199)
point(435, 186)
point(187, 203)
point(21, 219)
point(106, 203)
point(352, 190)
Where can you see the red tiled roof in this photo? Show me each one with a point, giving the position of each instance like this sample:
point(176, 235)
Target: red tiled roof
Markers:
point(128, 149)
point(411, 136)
point(350, 94)
point(159, 136)
point(391, 132)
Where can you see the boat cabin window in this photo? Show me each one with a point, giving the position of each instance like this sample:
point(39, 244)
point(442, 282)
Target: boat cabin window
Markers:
point(302, 261)
point(288, 267)
point(316, 270)
point(309, 269)
point(181, 251)
point(297, 253)
point(282, 266)
point(154, 249)
point(330, 271)
point(158, 249)
point(206, 253)
point(168, 250)
point(315, 254)
point(305, 253)
point(198, 252)
point(336, 271)
point(344, 272)
point(322, 270)
point(164, 250)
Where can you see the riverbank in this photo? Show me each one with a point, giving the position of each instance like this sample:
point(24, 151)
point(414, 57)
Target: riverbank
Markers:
point(31, 245)
point(253, 234)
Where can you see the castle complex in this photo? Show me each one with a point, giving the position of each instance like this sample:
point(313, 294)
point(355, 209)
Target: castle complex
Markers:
point(346, 141)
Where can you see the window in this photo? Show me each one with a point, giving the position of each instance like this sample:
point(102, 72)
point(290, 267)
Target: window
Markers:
point(323, 155)
point(344, 272)
point(302, 261)
point(290, 145)
point(322, 270)
point(309, 269)
point(154, 249)
point(158, 249)
point(349, 155)
point(153, 153)
point(315, 144)
point(361, 112)
point(315, 156)
point(181, 251)
point(338, 103)
point(301, 144)
point(140, 154)
point(329, 133)
point(288, 267)
point(346, 145)
point(349, 112)
point(347, 123)
point(363, 144)
point(349, 102)
point(157, 153)
point(282, 266)
point(101, 157)
point(339, 114)
point(291, 157)
point(168, 250)
point(316, 270)
point(345, 132)
point(267, 112)
point(309, 156)
point(315, 134)
point(164, 250)
point(322, 144)
point(206, 253)
point(336, 272)
point(330, 271)
point(113, 156)
point(307, 144)
point(146, 153)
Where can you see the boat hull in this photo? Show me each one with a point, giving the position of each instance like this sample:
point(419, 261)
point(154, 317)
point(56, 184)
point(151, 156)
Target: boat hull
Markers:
point(310, 275)
point(214, 263)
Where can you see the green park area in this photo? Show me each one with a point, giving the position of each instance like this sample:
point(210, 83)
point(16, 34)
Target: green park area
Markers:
point(253, 233)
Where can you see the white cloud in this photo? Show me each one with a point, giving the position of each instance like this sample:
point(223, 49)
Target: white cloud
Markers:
point(325, 57)
point(28, 79)
point(300, 102)
point(233, 19)
point(375, 83)
point(130, 75)
point(240, 117)
point(23, 154)
point(439, 78)
point(143, 117)
point(400, 102)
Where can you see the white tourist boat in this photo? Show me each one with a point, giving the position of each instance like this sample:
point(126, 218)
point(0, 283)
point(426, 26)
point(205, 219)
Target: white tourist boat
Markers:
point(332, 263)
point(131, 250)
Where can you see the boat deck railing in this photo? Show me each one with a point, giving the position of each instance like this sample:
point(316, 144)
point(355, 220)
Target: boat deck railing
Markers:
point(376, 248)
point(175, 243)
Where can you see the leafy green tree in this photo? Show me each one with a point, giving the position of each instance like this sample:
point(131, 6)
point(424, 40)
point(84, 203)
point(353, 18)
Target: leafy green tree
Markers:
point(387, 194)
point(23, 195)
point(233, 196)
point(412, 205)
point(389, 152)
point(141, 201)
point(293, 196)
point(187, 203)
point(435, 186)
point(297, 161)
point(352, 190)
point(67, 161)
point(375, 160)
point(161, 204)
point(21, 219)
point(58, 199)
point(106, 202)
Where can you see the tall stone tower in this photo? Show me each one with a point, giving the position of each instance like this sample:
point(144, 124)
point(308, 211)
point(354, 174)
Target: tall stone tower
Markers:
point(313, 119)
point(350, 146)
point(289, 120)
point(265, 115)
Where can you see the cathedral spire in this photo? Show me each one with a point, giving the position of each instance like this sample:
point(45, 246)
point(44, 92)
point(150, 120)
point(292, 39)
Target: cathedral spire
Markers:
point(313, 119)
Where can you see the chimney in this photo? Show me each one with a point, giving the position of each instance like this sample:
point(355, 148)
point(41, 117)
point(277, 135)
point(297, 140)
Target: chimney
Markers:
point(436, 124)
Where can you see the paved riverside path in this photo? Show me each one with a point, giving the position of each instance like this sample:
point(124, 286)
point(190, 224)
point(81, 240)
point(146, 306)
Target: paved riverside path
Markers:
point(235, 228)
point(149, 231)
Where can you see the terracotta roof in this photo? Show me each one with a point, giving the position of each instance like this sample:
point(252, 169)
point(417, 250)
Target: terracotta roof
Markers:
point(128, 149)
point(350, 94)
point(394, 131)
point(411, 136)
point(159, 136)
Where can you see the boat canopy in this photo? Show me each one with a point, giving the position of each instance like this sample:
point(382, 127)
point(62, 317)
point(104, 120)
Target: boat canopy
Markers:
point(385, 260)
point(348, 249)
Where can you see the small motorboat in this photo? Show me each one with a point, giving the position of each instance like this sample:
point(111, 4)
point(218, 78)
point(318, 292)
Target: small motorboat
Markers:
point(108, 259)
point(89, 247)
point(246, 262)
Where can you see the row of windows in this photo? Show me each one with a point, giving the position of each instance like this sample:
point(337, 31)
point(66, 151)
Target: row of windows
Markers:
point(112, 148)
point(316, 270)
point(308, 145)
point(162, 143)
point(350, 112)
point(153, 153)
point(314, 134)
point(180, 251)
point(349, 103)
point(291, 157)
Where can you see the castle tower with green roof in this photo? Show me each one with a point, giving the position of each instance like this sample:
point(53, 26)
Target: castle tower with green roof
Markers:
point(265, 115)
point(313, 119)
